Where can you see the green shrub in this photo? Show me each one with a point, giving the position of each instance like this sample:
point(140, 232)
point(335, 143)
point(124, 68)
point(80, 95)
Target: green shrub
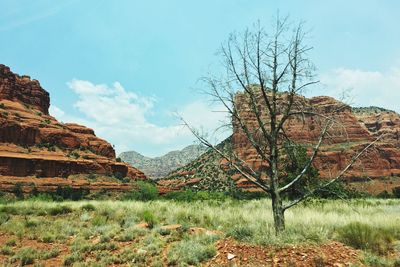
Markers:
point(366, 237)
point(50, 254)
point(130, 234)
point(149, 218)
point(384, 194)
point(41, 197)
point(118, 160)
point(192, 250)
point(189, 195)
point(241, 232)
point(119, 176)
point(396, 192)
point(17, 191)
point(145, 192)
point(4, 218)
point(71, 259)
point(11, 242)
point(99, 220)
point(91, 176)
point(244, 195)
point(25, 256)
point(67, 192)
point(6, 250)
point(48, 238)
point(373, 260)
point(30, 223)
point(88, 207)
point(59, 210)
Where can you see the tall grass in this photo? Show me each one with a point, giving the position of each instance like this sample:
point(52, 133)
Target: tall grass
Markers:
point(250, 221)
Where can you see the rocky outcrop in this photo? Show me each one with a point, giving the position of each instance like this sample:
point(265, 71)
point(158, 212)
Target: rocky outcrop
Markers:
point(24, 90)
point(354, 129)
point(35, 144)
point(158, 167)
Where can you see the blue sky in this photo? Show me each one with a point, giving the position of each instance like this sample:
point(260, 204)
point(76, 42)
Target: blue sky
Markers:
point(123, 67)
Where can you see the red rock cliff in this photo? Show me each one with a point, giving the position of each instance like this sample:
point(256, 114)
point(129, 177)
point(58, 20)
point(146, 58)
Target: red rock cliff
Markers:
point(353, 131)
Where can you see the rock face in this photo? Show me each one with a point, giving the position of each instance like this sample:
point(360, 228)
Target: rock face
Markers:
point(24, 90)
point(349, 134)
point(376, 171)
point(35, 144)
point(158, 167)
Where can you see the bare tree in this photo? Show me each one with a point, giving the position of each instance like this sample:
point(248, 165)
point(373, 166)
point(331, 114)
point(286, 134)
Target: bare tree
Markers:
point(271, 71)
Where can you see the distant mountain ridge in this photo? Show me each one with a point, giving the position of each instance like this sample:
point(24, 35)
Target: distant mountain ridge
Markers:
point(158, 167)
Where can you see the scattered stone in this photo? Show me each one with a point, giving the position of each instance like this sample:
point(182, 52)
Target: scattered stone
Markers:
point(231, 256)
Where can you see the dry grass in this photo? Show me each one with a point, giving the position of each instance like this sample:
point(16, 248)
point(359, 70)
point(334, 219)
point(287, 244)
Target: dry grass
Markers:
point(105, 231)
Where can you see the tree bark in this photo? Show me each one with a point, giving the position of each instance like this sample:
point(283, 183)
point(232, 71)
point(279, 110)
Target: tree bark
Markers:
point(278, 212)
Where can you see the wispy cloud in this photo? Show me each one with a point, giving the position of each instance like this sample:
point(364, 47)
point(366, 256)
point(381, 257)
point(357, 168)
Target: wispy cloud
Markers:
point(18, 18)
point(365, 88)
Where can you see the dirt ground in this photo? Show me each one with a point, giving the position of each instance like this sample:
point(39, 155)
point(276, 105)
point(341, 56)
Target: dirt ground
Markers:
point(332, 254)
point(229, 253)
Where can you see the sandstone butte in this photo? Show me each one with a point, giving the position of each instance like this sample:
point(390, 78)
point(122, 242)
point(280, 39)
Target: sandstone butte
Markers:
point(378, 170)
point(38, 151)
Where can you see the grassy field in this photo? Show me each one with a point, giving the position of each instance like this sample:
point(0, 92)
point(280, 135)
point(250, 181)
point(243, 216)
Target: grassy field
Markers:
point(158, 233)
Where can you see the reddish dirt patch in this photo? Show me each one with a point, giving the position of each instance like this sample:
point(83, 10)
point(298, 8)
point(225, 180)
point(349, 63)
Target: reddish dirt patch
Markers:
point(332, 254)
point(24, 243)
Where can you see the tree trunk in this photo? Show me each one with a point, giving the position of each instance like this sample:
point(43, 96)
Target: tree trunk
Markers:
point(278, 212)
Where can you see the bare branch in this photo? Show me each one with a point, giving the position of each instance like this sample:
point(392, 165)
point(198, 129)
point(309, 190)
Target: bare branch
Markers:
point(354, 159)
point(255, 180)
point(311, 160)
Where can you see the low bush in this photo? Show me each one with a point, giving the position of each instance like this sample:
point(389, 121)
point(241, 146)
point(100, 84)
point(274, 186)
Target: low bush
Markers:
point(4, 218)
point(145, 192)
point(149, 218)
point(241, 232)
point(25, 256)
point(192, 250)
point(396, 192)
point(243, 195)
point(11, 242)
point(59, 210)
point(88, 207)
point(72, 258)
point(373, 260)
point(99, 220)
point(17, 191)
point(6, 250)
point(67, 192)
point(366, 237)
point(41, 197)
point(189, 195)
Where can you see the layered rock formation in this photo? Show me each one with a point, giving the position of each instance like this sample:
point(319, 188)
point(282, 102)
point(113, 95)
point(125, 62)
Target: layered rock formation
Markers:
point(376, 171)
point(35, 144)
point(350, 133)
point(158, 167)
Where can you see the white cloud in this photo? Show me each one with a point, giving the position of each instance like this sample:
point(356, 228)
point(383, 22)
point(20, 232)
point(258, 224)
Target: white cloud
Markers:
point(120, 117)
point(366, 88)
point(56, 112)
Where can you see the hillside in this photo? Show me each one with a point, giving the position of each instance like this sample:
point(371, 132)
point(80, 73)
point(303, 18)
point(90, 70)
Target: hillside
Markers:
point(377, 171)
point(158, 167)
point(38, 151)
